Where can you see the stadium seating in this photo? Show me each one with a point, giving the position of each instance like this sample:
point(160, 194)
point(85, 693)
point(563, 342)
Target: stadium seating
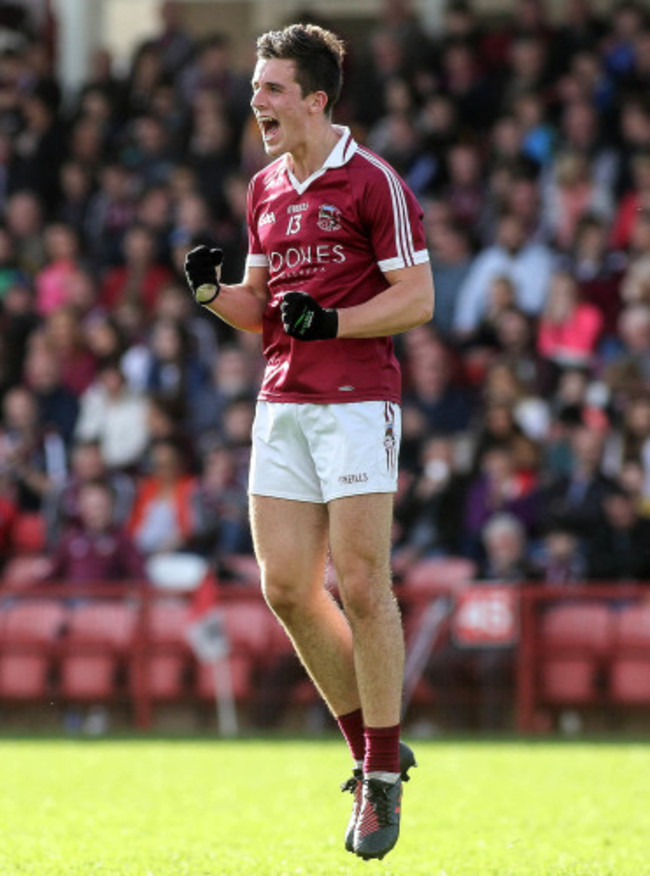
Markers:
point(574, 642)
point(29, 636)
point(430, 576)
point(169, 663)
point(630, 668)
point(252, 636)
point(98, 640)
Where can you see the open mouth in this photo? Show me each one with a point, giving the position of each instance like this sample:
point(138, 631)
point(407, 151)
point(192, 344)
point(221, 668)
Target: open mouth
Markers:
point(268, 126)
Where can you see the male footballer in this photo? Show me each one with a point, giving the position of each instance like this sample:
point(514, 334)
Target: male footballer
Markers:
point(337, 264)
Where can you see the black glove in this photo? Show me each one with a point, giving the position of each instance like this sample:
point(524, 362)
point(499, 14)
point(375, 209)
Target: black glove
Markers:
point(203, 272)
point(305, 319)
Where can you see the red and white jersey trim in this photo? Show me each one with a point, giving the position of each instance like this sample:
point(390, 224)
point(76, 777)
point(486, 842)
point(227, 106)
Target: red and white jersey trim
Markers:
point(406, 255)
point(254, 260)
point(342, 152)
point(419, 257)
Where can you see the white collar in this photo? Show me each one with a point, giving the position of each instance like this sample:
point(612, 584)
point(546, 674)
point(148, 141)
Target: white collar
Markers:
point(342, 152)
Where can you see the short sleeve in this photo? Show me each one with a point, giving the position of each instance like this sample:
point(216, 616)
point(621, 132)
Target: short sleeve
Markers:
point(393, 217)
point(256, 257)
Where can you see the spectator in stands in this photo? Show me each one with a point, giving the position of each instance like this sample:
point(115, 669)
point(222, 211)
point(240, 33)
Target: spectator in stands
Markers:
point(58, 406)
point(62, 254)
point(429, 513)
point(173, 304)
point(236, 424)
point(499, 487)
point(597, 269)
point(163, 517)
point(559, 559)
point(32, 457)
point(18, 321)
point(515, 423)
point(111, 211)
point(114, 415)
point(576, 500)
point(538, 135)
point(93, 550)
point(505, 550)
point(40, 144)
point(62, 505)
point(618, 549)
point(24, 219)
point(148, 152)
point(451, 256)
point(76, 184)
point(630, 441)
point(628, 371)
point(463, 81)
point(465, 188)
point(637, 198)
point(210, 150)
point(165, 423)
point(619, 42)
point(529, 265)
point(175, 371)
point(174, 43)
point(64, 335)
point(140, 277)
point(233, 375)
point(104, 337)
point(515, 339)
point(572, 194)
point(501, 296)
point(569, 329)
point(431, 388)
point(144, 75)
point(9, 272)
point(635, 287)
point(212, 70)
point(580, 132)
point(221, 509)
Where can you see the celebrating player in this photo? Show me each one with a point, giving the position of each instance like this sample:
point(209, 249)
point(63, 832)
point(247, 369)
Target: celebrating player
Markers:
point(337, 264)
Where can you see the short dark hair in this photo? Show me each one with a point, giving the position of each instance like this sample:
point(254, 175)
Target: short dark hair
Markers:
point(316, 52)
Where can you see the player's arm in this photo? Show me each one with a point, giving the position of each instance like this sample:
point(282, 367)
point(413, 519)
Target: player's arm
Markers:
point(241, 305)
point(407, 302)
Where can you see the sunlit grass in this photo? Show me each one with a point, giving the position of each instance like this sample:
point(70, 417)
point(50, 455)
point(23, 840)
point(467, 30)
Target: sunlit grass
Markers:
point(268, 808)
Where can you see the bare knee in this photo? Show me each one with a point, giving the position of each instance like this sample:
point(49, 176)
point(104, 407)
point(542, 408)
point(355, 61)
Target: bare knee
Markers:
point(283, 596)
point(366, 597)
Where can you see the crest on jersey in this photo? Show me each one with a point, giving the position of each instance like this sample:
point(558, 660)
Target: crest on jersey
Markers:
point(329, 218)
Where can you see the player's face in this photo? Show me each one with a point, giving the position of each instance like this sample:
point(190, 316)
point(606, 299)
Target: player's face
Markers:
point(281, 110)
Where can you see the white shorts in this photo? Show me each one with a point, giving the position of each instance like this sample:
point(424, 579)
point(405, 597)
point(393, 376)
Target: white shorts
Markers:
point(316, 452)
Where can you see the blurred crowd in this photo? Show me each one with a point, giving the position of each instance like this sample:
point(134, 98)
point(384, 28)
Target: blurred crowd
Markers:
point(126, 410)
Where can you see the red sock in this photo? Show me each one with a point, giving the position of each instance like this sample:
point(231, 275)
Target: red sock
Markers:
point(382, 750)
point(351, 725)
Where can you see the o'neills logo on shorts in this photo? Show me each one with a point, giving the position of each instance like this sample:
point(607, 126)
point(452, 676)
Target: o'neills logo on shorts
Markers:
point(354, 478)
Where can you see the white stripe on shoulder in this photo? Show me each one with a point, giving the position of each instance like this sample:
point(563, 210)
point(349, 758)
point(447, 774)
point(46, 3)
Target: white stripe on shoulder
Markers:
point(403, 235)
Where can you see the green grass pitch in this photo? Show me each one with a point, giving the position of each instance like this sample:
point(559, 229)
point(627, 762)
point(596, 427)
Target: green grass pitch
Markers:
point(150, 807)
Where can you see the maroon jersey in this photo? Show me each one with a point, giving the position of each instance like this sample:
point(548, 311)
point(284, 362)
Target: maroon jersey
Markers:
point(332, 236)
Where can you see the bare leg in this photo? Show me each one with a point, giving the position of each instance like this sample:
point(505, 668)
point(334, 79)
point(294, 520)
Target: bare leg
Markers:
point(360, 528)
point(291, 546)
